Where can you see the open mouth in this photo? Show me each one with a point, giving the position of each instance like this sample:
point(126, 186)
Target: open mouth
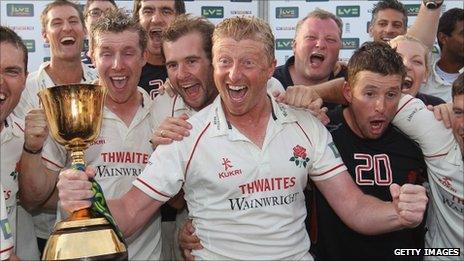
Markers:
point(407, 83)
point(316, 59)
point(386, 39)
point(192, 89)
point(377, 126)
point(118, 81)
point(68, 40)
point(155, 33)
point(2, 98)
point(237, 92)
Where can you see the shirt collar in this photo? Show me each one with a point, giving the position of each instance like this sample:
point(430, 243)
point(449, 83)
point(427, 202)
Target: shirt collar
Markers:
point(143, 110)
point(13, 128)
point(280, 113)
point(181, 106)
point(89, 75)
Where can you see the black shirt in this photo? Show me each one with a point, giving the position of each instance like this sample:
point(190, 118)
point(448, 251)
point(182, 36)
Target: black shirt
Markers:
point(373, 164)
point(429, 99)
point(153, 76)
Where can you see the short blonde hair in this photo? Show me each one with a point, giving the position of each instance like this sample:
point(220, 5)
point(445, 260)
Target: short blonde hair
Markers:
point(246, 27)
point(322, 15)
point(405, 37)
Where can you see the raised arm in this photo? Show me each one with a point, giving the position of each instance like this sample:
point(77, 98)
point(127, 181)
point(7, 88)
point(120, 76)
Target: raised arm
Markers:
point(302, 96)
point(36, 182)
point(369, 215)
point(331, 91)
point(426, 24)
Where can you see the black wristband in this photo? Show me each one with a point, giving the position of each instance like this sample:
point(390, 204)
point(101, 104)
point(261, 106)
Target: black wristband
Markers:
point(32, 151)
point(432, 4)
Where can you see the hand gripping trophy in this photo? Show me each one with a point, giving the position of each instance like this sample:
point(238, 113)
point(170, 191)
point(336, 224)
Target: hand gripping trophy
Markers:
point(74, 115)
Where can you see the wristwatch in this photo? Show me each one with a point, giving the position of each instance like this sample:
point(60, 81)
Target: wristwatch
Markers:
point(432, 4)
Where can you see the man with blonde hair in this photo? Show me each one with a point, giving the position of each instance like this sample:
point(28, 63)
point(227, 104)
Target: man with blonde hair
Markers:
point(118, 47)
point(255, 176)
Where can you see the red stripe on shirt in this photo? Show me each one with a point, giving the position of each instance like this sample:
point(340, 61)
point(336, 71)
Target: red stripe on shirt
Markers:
point(174, 105)
point(7, 249)
point(403, 106)
point(194, 148)
point(305, 133)
point(436, 156)
point(53, 163)
point(19, 126)
point(152, 188)
point(330, 170)
point(47, 160)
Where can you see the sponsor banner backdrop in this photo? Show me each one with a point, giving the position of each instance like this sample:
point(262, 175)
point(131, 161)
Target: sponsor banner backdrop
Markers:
point(284, 15)
point(24, 18)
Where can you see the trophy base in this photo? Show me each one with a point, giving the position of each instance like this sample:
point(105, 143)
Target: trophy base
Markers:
point(84, 239)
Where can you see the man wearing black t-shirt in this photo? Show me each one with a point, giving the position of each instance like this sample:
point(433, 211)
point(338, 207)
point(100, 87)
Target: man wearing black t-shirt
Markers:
point(155, 16)
point(375, 153)
point(316, 47)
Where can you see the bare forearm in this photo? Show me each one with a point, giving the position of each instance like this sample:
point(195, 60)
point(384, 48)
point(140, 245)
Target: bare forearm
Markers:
point(426, 25)
point(369, 215)
point(331, 91)
point(373, 216)
point(133, 210)
point(36, 183)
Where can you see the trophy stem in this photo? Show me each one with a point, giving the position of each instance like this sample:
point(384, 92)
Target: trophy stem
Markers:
point(78, 163)
point(80, 214)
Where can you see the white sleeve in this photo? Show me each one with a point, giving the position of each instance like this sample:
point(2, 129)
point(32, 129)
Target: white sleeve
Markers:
point(6, 236)
point(441, 151)
point(326, 161)
point(274, 85)
point(163, 176)
point(26, 102)
point(54, 155)
point(415, 120)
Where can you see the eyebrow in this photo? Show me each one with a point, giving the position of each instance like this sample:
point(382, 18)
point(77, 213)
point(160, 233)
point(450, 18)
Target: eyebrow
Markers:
point(370, 86)
point(14, 67)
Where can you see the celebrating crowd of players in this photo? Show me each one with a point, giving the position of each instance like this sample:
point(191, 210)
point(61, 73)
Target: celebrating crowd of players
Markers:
point(236, 146)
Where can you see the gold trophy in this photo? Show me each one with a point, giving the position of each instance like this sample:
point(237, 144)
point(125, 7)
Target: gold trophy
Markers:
point(74, 115)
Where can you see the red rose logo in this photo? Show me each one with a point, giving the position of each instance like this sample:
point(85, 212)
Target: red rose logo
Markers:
point(299, 151)
point(299, 156)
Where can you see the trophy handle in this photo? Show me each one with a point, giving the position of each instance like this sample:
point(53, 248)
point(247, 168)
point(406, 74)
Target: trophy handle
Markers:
point(78, 164)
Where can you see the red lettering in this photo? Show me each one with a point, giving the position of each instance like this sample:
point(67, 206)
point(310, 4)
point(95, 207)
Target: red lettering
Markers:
point(258, 184)
point(145, 158)
point(242, 188)
point(250, 188)
point(119, 156)
point(286, 182)
point(111, 157)
point(278, 182)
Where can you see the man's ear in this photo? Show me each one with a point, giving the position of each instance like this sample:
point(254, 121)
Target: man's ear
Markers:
point(347, 93)
point(45, 37)
point(370, 30)
point(144, 57)
point(442, 38)
point(271, 69)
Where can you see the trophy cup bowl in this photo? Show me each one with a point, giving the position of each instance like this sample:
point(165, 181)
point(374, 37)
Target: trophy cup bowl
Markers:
point(74, 115)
